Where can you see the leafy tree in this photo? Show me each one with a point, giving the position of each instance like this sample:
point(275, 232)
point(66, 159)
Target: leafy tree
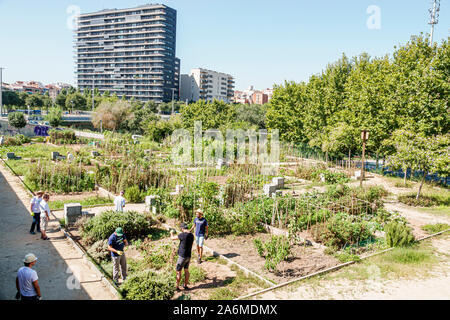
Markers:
point(254, 115)
point(112, 115)
point(35, 101)
point(17, 120)
point(54, 116)
point(75, 101)
point(214, 115)
point(11, 98)
point(61, 99)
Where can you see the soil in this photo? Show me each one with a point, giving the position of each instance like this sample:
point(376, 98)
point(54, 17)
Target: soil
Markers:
point(73, 196)
point(241, 249)
point(217, 275)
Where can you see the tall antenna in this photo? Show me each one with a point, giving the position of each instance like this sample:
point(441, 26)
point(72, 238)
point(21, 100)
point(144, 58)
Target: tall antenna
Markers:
point(434, 13)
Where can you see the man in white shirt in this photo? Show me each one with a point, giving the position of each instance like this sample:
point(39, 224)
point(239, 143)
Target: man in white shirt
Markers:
point(36, 212)
point(45, 215)
point(119, 202)
point(27, 280)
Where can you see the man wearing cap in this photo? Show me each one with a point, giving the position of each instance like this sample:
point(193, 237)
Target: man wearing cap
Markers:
point(116, 243)
point(27, 280)
point(119, 202)
point(184, 254)
point(201, 232)
point(36, 212)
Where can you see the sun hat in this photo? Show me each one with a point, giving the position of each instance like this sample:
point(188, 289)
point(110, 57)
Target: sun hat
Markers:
point(29, 258)
point(199, 211)
point(119, 232)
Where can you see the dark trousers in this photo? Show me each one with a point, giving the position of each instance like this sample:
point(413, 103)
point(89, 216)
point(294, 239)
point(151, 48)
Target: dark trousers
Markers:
point(33, 298)
point(36, 222)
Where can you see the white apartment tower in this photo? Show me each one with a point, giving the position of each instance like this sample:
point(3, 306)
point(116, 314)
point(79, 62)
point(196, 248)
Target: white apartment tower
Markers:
point(208, 85)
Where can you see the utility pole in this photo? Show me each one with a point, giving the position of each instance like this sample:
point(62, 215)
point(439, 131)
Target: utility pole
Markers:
point(364, 138)
point(434, 20)
point(1, 91)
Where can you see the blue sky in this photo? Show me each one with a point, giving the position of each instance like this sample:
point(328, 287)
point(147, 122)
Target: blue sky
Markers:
point(259, 42)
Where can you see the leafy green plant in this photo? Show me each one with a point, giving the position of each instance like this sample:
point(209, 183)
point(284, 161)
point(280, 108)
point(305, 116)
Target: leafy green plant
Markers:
point(149, 285)
point(99, 251)
point(275, 250)
point(398, 235)
point(133, 194)
point(100, 227)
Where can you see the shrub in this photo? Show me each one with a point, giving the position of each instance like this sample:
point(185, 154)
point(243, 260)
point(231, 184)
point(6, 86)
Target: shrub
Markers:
point(100, 227)
point(99, 251)
point(259, 246)
point(11, 141)
point(343, 229)
point(217, 221)
point(149, 285)
point(62, 136)
point(22, 138)
point(435, 228)
point(398, 235)
point(330, 176)
point(133, 195)
point(275, 250)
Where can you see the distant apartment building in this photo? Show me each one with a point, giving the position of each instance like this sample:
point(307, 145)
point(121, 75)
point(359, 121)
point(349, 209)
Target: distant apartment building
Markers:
point(252, 96)
point(129, 52)
point(208, 85)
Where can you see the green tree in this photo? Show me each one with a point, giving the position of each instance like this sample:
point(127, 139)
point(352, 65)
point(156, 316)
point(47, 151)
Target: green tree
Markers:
point(34, 101)
point(11, 98)
point(112, 115)
point(75, 101)
point(17, 120)
point(54, 116)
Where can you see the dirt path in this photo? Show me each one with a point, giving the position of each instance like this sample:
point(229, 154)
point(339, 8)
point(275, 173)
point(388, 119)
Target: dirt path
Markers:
point(59, 264)
point(436, 286)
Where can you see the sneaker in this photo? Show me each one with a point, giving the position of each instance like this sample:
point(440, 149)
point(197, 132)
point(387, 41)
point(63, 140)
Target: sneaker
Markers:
point(39, 231)
point(186, 288)
point(46, 238)
point(178, 289)
point(32, 232)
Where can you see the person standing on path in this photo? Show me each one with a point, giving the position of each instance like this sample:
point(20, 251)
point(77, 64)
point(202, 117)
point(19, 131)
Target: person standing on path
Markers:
point(36, 212)
point(45, 215)
point(119, 202)
point(184, 254)
point(27, 280)
point(201, 232)
point(116, 243)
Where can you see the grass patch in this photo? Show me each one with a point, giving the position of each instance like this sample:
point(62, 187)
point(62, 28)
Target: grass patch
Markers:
point(435, 228)
point(440, 211)
point(236, 286)
point(91, 201)
point(428, 199)
point(20, 167)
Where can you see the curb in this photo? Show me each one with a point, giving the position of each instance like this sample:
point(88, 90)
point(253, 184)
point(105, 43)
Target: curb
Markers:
point(91, 265)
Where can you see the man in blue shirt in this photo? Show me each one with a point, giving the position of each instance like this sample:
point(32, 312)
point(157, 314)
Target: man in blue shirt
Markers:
point(116, 243)
point(201, 232)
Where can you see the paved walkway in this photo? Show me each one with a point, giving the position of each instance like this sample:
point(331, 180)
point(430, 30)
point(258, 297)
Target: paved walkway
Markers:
point(59, 264)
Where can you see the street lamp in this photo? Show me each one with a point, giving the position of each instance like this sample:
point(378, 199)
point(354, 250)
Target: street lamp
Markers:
point(364, 138)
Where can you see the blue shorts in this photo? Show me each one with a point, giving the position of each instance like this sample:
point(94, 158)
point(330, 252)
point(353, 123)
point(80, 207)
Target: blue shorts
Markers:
point(200, 240)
